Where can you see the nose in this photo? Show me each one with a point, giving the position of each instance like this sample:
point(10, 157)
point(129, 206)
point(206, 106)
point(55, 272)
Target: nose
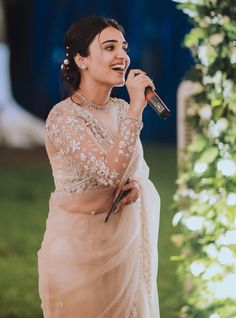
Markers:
point(122, 54)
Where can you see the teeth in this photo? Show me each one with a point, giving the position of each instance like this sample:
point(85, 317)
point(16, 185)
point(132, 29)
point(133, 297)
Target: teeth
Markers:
point(118, 67)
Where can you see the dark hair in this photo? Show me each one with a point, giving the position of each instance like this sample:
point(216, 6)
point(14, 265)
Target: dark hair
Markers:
point(77, 40)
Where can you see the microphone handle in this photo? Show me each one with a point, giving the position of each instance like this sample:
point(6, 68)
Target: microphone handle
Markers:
point(156, 103)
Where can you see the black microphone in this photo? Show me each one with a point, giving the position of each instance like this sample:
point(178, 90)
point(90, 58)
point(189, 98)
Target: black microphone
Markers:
point(156, 103)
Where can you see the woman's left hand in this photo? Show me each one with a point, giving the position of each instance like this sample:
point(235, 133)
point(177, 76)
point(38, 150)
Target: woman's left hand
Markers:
point(131, 197)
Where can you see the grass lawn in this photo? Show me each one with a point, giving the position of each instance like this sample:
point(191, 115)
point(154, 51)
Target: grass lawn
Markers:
point(26, 182)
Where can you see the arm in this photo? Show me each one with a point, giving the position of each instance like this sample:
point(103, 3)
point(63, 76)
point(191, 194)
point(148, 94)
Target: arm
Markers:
point(69, 133)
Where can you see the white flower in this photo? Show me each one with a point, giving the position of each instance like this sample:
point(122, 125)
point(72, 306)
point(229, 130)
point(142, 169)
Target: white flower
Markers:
point(212, 200)
point(223, 219)
point(215, 315)
point(191, 13)
point(217, 19)
point(227, 239)
point(226, 256)
point(209, 226)
point(212, 270)
point(177, 218)
point(197, 268)
point(194, 223)
point(207, 79)
point(207, 54)
point(222, 124)
point(228, 88)
point(224, 288)
point(205, 112)
point(200, 167)
point(233, 55)
point(213, 130)
point(203, 196)
point(202, 53)
point(216, 38)
point(226, 167)
point(231, 199)
point(217, 78)
point(211, 251)
point(190, 193)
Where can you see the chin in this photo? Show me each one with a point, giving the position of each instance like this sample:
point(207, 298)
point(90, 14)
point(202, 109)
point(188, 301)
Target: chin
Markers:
point(120, 83)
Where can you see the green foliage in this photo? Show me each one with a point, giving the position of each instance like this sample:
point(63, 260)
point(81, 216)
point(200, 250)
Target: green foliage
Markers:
point(205, 200)
point(23, 196)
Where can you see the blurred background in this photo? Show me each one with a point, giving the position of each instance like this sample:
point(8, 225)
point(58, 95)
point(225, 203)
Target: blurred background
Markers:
point(31, 52)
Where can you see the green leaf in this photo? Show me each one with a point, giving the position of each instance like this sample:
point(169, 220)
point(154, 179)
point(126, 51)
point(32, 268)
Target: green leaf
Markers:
point(218, 112)
point(198, 144)
point(216, 102)
point(209, 155)
point(192, 39)
point(230, 26)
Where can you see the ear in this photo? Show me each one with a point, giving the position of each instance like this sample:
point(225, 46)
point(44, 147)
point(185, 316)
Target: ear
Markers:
point(80, 61)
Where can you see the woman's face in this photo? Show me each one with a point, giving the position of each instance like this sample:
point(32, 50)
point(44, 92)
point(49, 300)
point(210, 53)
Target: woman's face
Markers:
point(108, 61)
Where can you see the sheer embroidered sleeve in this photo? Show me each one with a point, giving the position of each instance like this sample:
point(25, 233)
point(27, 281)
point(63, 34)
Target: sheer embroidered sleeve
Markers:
point(72, 136)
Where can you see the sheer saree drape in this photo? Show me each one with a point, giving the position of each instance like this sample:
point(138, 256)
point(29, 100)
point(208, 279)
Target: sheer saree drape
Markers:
point(92, 269)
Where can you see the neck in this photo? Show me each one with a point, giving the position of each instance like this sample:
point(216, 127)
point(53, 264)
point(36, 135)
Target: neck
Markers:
point(98, 94)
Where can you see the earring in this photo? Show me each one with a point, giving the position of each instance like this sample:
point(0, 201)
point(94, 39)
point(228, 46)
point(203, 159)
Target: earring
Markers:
point(82, 67)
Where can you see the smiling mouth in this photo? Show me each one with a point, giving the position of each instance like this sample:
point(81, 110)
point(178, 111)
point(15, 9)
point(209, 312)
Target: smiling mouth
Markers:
point(119, 68)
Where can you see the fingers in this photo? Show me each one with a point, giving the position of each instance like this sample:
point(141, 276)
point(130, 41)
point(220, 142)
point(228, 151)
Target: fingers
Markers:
point(131, 184)
point(128, 186)
point(135, 72)
point(128, 199)
point(140, 77)
point(144, 80)
point(131, 197)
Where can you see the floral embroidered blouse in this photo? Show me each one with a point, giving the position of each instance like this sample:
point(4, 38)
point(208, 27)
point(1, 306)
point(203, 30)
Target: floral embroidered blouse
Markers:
point(89, 155)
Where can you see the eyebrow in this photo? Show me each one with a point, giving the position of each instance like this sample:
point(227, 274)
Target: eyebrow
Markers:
point(114, 41)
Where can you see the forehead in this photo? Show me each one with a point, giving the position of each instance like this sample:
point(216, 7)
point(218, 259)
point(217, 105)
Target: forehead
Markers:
point(107, 34)
point(111, 33)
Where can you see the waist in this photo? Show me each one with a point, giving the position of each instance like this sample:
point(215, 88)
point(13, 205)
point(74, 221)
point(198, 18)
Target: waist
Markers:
point(88, 202)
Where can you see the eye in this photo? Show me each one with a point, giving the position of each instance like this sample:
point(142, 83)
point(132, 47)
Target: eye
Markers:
point(110, 47)
point(126, 49)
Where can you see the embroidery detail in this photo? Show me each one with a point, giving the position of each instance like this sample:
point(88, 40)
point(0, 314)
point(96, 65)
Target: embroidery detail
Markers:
point(85, 145)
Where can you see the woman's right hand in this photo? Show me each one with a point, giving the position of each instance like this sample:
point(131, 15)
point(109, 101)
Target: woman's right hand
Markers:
point(136, 83)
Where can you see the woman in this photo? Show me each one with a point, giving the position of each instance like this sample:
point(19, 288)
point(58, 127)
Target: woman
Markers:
point(89, 268)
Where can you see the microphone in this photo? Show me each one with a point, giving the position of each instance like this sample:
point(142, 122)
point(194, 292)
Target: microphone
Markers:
point(156, 103)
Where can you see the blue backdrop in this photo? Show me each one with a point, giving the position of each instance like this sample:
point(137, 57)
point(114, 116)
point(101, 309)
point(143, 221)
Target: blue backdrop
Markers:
point(154, 30)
